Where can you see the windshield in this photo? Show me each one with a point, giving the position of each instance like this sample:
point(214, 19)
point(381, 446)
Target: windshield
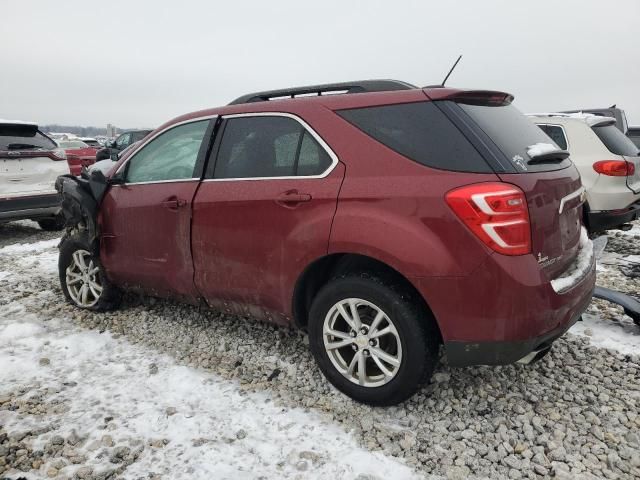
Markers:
point(72, 144)
point(616, 141)
point(23, 137)
point(513, 134)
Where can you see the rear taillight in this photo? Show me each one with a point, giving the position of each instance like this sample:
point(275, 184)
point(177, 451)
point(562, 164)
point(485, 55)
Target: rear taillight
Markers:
point(497, 213)
point(615, 168)
point(73, 159)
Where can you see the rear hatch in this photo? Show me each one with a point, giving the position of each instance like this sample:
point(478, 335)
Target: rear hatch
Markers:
point(525, 156)
point(29, 161)
point(619, 144)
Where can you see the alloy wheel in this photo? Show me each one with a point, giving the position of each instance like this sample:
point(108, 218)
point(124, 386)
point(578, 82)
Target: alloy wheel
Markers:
point(83, 279)
point(362, 342)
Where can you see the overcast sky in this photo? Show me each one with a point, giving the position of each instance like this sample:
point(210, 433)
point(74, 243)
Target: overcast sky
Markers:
point(138, 64)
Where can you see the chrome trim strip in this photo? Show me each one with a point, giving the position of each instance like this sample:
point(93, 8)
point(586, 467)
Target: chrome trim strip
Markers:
point(306, 126)
point(570, 197)
point(157, 134)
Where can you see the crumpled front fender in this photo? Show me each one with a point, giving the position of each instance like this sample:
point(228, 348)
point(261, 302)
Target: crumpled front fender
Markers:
point(79, 206)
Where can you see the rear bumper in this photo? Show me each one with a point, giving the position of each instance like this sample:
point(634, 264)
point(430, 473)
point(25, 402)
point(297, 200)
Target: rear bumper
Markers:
point(604, 220)
point(460, 354)
point(29, 207)
point(503, 311)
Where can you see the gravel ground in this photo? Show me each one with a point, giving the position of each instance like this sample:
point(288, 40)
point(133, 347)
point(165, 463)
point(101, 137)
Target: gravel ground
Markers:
point(572, 415)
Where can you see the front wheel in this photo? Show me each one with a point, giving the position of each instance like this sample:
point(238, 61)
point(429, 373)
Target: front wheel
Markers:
point(372, 340)
point(82, 277)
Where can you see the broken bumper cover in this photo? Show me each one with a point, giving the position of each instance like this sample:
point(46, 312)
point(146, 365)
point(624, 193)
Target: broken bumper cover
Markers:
point(30, 207)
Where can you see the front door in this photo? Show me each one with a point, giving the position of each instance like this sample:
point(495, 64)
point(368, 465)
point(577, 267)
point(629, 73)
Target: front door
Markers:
point(146, 221)
point(263, 213)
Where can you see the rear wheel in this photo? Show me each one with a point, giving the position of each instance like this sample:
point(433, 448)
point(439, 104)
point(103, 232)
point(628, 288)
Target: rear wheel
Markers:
point(54, 224)
point(372, 341)
point(82, 276)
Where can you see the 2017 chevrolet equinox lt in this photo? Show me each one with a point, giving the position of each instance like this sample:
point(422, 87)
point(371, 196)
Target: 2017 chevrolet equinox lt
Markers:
point(387, 220)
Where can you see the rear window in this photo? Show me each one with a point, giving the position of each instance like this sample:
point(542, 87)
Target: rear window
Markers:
point(616, 141)
point(420, 132)
point(555, 133)
point(23, 137)
point(513, 133)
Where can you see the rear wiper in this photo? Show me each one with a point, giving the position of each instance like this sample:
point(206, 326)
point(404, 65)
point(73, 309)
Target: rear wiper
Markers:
point(545, 153)
point(22, 146)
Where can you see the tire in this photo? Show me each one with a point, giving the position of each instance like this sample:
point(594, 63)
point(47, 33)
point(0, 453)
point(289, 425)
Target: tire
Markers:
point(54, 224)
point(101, 294)
point(411, 341)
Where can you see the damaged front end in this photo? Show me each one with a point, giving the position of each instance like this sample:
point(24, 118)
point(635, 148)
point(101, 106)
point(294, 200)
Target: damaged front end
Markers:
point(81, 197)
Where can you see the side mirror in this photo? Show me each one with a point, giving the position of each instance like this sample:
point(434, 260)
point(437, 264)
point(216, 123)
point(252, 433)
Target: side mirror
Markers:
point(112, 144)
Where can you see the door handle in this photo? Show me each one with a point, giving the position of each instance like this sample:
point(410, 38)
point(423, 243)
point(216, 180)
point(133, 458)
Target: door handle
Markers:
point(292, 198)
point(173, 203)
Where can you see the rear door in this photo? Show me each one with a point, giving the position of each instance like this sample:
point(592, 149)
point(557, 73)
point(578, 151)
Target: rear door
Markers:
point(263, 213)
point(553, 188)
point(619, 144)
point(28, 165)
point(146, 220)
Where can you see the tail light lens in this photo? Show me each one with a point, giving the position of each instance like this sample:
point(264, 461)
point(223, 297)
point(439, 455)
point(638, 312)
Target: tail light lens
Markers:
point(73, 159)
point(496, 213)
point(615, 168)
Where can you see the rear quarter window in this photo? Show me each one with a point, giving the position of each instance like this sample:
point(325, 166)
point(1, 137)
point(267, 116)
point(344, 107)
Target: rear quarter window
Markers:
point(420, 132)
point(615, 141)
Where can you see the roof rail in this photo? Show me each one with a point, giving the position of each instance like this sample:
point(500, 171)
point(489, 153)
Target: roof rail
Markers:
point(361, 86)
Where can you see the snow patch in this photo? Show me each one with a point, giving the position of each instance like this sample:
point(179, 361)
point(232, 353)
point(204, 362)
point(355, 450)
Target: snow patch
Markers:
point(540, 149)
point(579, 267)
point(622, 336)
point(29, 247)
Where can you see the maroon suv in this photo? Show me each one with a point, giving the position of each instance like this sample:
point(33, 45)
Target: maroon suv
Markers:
point(385, 219)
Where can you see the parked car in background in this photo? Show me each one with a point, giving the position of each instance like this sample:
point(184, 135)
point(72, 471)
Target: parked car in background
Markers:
point(613, 112)
point(634, 135)
point(384, 222)
point(92, 142)
point(608, 162)
point(120, 143)
point(79, 154)
point(106, 165)
point(30, 162)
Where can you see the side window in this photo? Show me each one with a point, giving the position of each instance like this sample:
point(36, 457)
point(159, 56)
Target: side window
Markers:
point(556, 133)
point(420, 132)
point(123, 140)
point(135, 136)
point(268, 146)
point(170, 156)
point(313, 158)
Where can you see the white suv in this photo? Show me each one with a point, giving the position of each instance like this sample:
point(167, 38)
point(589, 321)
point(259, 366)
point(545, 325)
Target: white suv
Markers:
point(30, 162)
point(609, 164)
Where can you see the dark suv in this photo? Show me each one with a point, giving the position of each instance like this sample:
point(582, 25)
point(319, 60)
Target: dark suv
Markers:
point(385, 219)
point(120, 143)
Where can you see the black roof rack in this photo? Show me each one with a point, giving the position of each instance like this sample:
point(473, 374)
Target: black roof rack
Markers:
point(361, 86)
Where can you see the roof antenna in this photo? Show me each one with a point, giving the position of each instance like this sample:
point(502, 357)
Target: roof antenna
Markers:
point(451, 71)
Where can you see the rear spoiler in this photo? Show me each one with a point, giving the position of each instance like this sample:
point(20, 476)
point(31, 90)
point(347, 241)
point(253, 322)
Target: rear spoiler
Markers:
point(488, 98)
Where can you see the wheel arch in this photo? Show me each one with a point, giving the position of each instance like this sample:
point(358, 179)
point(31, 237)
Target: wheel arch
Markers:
point(322, 270)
